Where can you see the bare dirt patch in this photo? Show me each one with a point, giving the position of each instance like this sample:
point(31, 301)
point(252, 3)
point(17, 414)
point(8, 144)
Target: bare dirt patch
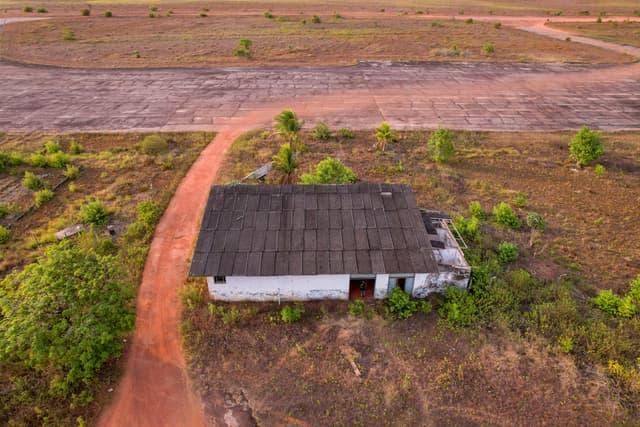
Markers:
point(623, 32)
point(193, 41)
point(591, 219)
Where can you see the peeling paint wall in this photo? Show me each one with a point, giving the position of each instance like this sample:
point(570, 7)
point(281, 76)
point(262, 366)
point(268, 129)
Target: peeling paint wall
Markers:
point(438, 282)
point(382, 284)
point(281, 288)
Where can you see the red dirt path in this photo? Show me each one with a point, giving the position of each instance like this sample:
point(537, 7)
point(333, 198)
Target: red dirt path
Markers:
point(155, 390)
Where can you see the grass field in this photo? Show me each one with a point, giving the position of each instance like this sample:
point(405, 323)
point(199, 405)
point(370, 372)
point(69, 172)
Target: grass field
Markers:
point(111, 168)
point(191, 41)
point(536, 351)
point(623, 32)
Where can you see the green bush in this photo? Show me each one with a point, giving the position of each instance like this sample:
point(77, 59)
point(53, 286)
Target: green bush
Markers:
point(58, 160)
point(267, 14)
point(290, 314)
point(33, 182)
point(191, 296)
point(38, 160)
point(607, 301)
point(620, 306)
point(228, 315)
point(504, 215)
point(108, 14)
point(565, 344)
point(599, 170)
point(41, 10)
point(399, 304)
point(4, 235)
point(94, 212)
point(346, 133)
point(72, 172)
point(468, 228)
point(356, 308)
point(244, 49)
point(329, 171)
point(10, 160)
point(85, 12)
point(316, 19)
point(497, 25)
point(51, 147)
point(458, 308)
point(488, 49)
point(520, 200)
point(507, 252)
point(441, 145)
point(384, 135)
point(68, 35)
point(148, 212)
point(75, 148)
point(66, 315)
point(475, 209)
point(321, 132)
point(586, 146)
point(154, 145)
point(27, 9)
point(43, 196)
point(424, 307)
point(535, 221)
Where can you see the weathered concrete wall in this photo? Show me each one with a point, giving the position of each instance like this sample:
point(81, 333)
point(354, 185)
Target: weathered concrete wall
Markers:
point(281, 288)
point(382, 283)
point(437, 282)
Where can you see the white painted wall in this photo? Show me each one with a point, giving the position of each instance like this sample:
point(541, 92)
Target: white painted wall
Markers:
point(283, 288)
point(381, 286)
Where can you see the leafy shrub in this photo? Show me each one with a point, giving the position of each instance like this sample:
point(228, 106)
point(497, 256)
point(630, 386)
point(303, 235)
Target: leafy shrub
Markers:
point(565, 344)
point(148, 212)
point(58, 160)
point(85, 12)
point(228, 315)
point(33, 182)
point(108, 14)
point(10, 160)
point(356, 308)
point(441, 145)
point(424, 307)
point(68, 35)
point(52, 147)
point(614, 305)
point(316, 19)
point(468, 228)
point(153, 8)
point(607, 301)
point(191, 296)
point(329, 171)
point(4, 235)
point(290, 314)
point(520, 200)
point(586, 146)
point(69, 312)
point(488, 49)
point(503, 214)
point(244, 49)
point(94, 212)
point(507, 252)
point(153, 145)
point(72, 172)
point(27, 9)
point(43, 196)
point(497, 25)
point(599, 170)
point(458, 308)
point(75, 148)
point(285, 163)
point(321, 132)
point(399, 304)
point(267, 14)
point(436, 24)
point(346, 133)
point(535, 221)
point(475, 209)
point(41, 10)
point(38, 160)
point(468, 21)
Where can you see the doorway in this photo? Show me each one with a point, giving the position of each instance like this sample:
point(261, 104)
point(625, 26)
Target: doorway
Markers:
point(361, 288)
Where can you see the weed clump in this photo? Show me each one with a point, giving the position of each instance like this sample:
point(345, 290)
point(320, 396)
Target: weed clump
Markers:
point(42, 196)
point(153, 145)
point(329, 171)
point(507, 252)
point(95, 213)
point(322, 132)
point(4, 235)
point(441, 145)
point(33, 182)
point(290, 314)
point(504, 215)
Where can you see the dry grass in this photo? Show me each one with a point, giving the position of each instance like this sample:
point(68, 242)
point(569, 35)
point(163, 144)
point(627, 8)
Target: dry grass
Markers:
point(190, 41)
point(623, 32)
point(592, 226)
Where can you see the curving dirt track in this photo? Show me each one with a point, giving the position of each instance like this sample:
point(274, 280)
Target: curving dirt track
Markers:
point(155, 390)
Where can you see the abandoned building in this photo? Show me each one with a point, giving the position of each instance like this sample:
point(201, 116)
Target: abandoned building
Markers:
point(306, 242)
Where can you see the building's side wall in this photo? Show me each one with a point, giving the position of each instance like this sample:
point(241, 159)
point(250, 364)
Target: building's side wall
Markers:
point(281, 288)
point(429, 283)
point(381, 286)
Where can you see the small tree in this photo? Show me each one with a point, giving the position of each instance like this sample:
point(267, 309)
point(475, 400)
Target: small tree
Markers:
point(287, 125)
point(329, 171)
point(441, 145)
point(385, 135)
point(586, 146)
point(503, 214)
point(286, 163)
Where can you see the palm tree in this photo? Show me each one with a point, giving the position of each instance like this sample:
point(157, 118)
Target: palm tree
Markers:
point(286, 163)
point(287, 125)
point(384, 135)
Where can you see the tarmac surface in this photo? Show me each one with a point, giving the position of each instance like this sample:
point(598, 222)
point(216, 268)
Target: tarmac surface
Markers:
point(479, 96)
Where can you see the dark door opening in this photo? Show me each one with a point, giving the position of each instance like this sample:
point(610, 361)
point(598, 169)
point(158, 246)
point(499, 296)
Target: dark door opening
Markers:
point(361, 288)
point(401, 283)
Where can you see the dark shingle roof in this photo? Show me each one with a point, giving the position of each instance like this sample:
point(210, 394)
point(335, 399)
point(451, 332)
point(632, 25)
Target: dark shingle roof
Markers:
point(254, 230)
